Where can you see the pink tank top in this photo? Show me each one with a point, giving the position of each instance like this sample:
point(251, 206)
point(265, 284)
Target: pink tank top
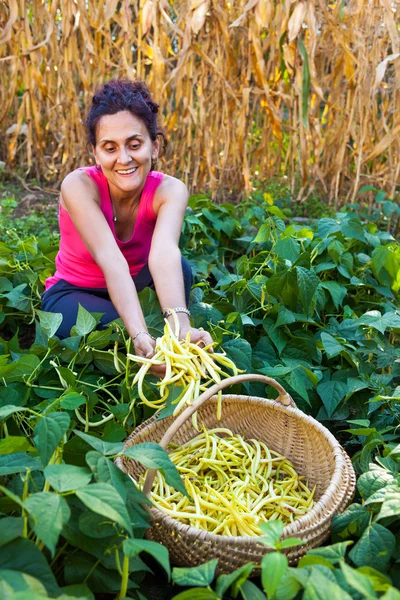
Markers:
point(75, 264)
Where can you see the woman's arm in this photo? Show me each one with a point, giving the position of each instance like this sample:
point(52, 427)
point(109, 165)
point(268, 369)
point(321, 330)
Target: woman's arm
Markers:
point(80, 197)
point(165, 257)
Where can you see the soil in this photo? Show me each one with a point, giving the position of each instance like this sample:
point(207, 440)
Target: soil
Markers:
point(29, 196)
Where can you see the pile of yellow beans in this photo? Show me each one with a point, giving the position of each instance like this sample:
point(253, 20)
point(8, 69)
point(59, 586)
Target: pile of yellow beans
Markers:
point(234, 484)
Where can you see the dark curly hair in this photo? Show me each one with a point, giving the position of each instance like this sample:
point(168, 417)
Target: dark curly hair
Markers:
point(123, 94)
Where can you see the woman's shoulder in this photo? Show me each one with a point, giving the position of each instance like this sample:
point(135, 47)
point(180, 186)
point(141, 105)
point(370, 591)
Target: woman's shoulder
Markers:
point(170, 184)
point(81, 180)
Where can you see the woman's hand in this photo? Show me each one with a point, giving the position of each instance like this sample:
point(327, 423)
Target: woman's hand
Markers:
point(197, 336)
point(145, 346)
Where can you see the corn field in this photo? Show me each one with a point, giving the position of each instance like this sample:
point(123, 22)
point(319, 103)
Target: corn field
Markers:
point(249, 90)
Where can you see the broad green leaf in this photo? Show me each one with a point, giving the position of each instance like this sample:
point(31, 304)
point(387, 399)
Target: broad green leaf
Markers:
point(21, 368)
point(331, 394)
point(23, 555)
point(336, 290)
point(85, 322)
point(151, 455)
point(288, 248)
point(72, 400)
point(104, 500)
point(374, 319)
point(200, 576)
point(80, 566)
point(240, 351)
point(49, 322)
point(6, 411)
point(17, 463)
point(307, 283)
point(250, 591)
point(319, 587)
point(361, 583)
point(22, 586)
point(10, 529)
point(288, 587)
point(237, 578)
point(79, 591)
point(106, 448)
point(331, 346)
point(374, 548)
point(49, 432)
point(273, 568)
point(391, 594)
point(271, 532)
point(105, 471)
point(334, 553)
point(66, 478)
point(48, 513)
point(95, 526)
point(159, 552)
point(353, 521)
point(198, 593)
point(14, 443)
point(372, 481)
point(391, 503)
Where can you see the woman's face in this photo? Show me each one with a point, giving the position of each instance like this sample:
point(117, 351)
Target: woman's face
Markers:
point(124, 150)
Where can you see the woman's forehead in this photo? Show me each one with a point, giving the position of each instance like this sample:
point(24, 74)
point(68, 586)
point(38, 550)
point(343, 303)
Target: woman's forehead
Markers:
point(121, 125)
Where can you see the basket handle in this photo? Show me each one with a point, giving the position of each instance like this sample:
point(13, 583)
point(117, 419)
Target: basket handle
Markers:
point(284, 398)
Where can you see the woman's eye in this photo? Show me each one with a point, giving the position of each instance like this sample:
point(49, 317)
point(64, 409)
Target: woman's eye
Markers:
point(109, 149)
point(135, 146)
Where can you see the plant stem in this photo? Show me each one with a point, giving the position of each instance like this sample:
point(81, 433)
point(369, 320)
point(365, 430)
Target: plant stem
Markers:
point(125, 577)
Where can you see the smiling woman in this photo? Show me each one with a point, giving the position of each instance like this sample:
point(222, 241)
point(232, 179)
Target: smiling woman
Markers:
point(120, 223)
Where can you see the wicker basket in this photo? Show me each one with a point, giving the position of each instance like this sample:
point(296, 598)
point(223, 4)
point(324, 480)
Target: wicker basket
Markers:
point(313, 450)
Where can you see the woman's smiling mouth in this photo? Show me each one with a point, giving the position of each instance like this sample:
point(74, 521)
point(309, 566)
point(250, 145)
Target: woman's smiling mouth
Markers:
point(126, 171)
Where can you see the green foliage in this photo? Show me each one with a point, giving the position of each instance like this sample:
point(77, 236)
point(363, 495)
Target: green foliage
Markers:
point(313, 306)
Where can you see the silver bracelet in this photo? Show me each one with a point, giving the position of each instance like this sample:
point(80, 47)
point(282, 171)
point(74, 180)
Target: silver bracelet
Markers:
point(146, 332)
point(178, 309)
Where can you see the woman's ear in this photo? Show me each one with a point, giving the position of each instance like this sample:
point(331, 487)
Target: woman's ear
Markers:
point(156, 149)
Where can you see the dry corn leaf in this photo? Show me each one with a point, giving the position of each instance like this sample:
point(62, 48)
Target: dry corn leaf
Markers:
point(381, 68)
point(5, 35)
point(263, 13)
point(251, 4)
point(199, 16)
point(296, 21)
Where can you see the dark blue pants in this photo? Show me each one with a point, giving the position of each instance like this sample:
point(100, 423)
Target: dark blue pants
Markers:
point(63, 297)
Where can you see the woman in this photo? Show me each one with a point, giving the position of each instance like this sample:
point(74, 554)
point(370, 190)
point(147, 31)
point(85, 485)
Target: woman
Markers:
point(120, 223)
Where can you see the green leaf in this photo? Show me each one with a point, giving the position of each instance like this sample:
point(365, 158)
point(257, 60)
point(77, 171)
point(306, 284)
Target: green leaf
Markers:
point(197, 593)
point(106, 448)
point(95, 526)
point(374, 548)
point(288, 587)
point(72, 400)
point(85, 322)
point(200, 576)
point(391, 503)
point(240, 351)
point(307, 283)
point(288, 249)
point(372, 481)
point(22, 585)
point(49, 432)
point(331, 394)
point(17, 463)
point(14, 443)
point(319, 587)
point(273, 568)
point(151, 455)
point(353, 521)
point(23, 555)
point(357, 581)
point(374, 319)
point(10, 529)
point(271, 532)
point(80, 591)
point(237, 578)
point(6, 411)
point(334, 553)
point(331, 346)
point(67, 478)
point(336, 290)
point(104, 500)
point(133, 547)
point(250, 591)
point(48, 513)
point(49, 322)
point(105, 471)
point(306, 82)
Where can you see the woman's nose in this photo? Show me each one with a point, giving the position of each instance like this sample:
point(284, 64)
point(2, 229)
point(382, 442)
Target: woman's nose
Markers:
point(124, 156)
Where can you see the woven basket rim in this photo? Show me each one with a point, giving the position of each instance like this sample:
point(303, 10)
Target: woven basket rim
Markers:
point(304, 522)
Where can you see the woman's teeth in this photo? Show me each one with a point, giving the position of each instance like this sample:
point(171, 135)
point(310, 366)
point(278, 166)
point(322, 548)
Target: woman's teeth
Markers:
point(127, 171)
